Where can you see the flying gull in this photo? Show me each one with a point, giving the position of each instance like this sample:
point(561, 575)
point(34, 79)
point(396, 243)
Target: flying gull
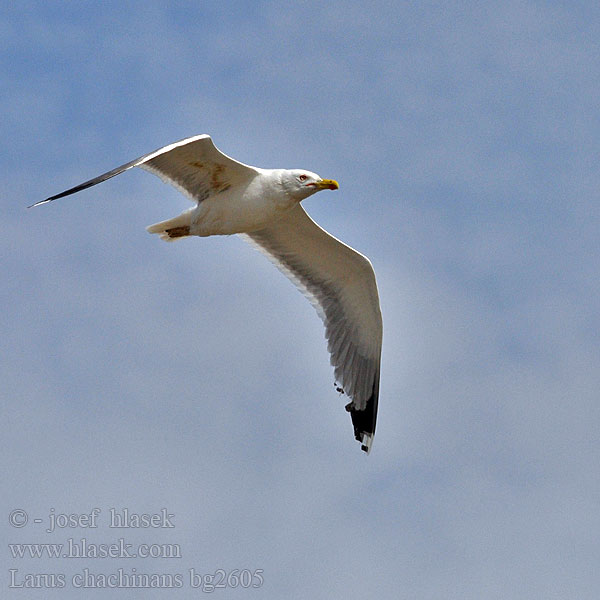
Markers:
point(263, 206)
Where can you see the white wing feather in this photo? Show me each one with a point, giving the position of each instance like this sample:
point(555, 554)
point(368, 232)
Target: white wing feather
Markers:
point(340, 283)
point(195, 166)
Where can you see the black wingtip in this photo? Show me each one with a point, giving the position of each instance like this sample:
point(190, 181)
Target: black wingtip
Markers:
point(364, 421)
point(94, 181)
point(40, 202)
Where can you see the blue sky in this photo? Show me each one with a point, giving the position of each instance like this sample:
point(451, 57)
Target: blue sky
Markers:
point(194, 377)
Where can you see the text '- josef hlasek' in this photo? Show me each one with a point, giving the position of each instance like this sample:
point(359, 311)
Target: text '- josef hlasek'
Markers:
point(121, 518)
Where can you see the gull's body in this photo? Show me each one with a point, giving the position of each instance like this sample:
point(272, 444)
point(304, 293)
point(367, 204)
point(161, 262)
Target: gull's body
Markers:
point(263, 205)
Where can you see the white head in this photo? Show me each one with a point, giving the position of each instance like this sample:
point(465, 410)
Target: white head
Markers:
point(300, 184)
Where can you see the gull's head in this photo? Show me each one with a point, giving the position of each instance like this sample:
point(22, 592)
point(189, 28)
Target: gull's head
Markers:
point(301, 184)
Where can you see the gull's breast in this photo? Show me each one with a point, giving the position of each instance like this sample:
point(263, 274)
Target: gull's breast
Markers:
point(240, 210)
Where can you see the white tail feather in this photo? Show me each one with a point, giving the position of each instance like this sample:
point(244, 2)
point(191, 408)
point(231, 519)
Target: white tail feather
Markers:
point(172, 229)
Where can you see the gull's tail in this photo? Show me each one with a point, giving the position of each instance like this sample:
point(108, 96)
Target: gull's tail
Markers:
point(173, 229)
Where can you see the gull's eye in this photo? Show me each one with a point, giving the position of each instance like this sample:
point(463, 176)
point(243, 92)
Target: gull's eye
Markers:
point(303, 177)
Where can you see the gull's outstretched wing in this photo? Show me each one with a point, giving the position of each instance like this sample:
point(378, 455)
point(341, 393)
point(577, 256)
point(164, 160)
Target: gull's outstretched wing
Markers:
point(194, 166)
point(340, 283)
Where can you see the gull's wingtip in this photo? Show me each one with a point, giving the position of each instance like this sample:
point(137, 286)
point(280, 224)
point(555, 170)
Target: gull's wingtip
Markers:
point(366, 442)
point(40, 202)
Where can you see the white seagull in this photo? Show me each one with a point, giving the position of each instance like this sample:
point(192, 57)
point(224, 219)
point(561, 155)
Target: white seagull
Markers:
point(263, 206)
